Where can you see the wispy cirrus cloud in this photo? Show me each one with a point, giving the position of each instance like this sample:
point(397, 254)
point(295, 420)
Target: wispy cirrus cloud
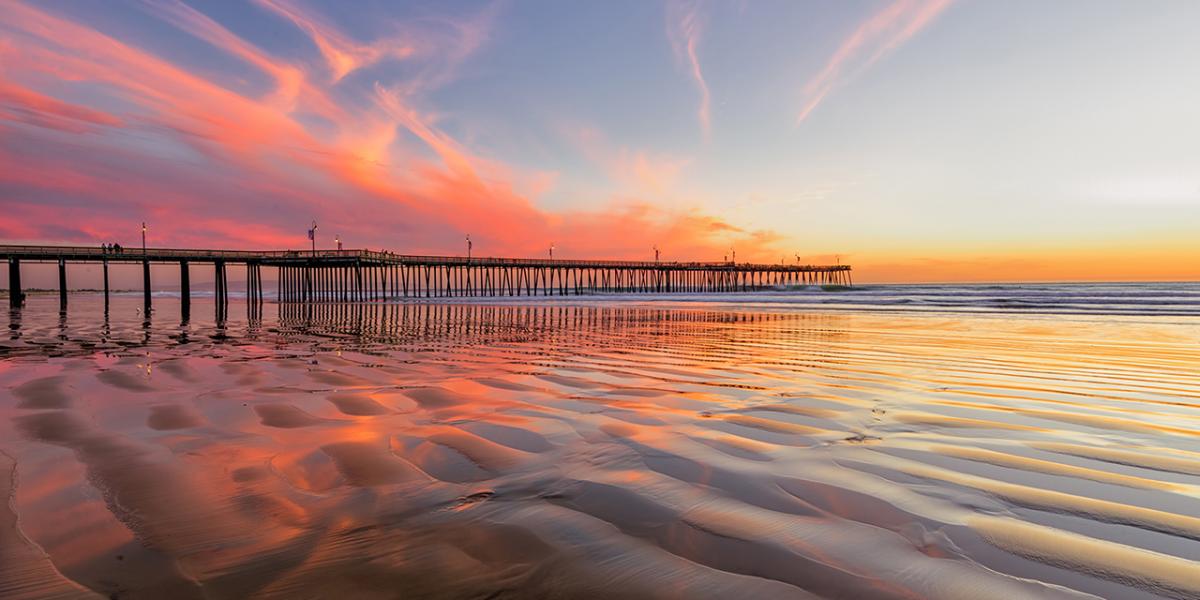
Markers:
point(685, 27)
point(292, 84)
point(343, 54)
point(874, 38)
point(21, 104)
point(437, 44)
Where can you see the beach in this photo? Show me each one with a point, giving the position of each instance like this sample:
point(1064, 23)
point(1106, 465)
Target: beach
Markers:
point(708, 447)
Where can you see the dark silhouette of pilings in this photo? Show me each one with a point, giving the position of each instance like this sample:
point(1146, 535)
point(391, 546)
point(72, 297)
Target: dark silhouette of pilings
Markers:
point(146, 283)
point(361, 275)
point(360, 281)
point(105, 285)
point(220, 283)
point(62, 284)
point(254, 295)
point(15, 296)
point(185, 289)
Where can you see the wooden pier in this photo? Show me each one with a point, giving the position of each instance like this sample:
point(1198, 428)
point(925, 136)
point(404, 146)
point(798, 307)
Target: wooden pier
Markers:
point(364, 275)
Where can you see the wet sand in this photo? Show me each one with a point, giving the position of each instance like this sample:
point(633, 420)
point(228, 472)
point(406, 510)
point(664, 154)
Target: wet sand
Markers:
point(599, 450)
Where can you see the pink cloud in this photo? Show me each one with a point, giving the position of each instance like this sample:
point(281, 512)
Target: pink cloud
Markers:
point(244, 171)
point(878, 35)
point(22, 104)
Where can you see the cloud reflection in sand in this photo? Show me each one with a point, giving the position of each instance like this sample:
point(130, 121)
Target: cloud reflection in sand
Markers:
point(690, 451)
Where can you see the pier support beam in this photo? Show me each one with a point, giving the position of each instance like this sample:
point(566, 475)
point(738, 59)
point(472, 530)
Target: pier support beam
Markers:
point(185, 288)
point(221, 283)
point(253, 283)
point(253, 290)
point(62, 284)
point(146, 283)
point(106, 284)
point(15, 296)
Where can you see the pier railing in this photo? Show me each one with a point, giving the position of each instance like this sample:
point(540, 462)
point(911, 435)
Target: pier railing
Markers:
point(272, 257)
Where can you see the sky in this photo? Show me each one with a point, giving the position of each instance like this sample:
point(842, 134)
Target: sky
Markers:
point(918, 140)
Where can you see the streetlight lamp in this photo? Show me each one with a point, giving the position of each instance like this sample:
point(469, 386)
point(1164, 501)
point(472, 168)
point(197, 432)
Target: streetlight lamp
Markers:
point(797, 258)
point(143, 237)
point(312, 235)
point(338, 239)
point(734, 254)
point(469, 245)
point(551, 251)
point(655, 253)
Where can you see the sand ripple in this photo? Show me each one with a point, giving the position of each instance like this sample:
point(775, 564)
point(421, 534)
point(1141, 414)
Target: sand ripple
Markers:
point(454, 451)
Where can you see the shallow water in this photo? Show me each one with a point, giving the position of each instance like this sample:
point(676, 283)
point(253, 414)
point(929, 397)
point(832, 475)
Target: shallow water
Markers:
point(675, 449)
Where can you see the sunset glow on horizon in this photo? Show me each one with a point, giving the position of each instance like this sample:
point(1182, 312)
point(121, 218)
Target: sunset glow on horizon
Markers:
point(919, 140)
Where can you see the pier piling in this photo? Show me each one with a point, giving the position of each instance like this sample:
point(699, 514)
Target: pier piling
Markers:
point(360, 275)
point(62, 284)
point(220, 283)
point(185, 287)
point(146, 283)
point(16, 297)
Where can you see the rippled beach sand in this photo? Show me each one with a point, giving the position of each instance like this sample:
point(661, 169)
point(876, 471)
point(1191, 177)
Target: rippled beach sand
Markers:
point(706, 450)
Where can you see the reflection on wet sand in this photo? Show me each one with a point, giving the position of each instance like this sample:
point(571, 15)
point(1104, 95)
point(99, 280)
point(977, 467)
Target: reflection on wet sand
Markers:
point(452, 450)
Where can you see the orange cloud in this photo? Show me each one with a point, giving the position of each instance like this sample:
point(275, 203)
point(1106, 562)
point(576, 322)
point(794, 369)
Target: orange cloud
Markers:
point(873, 39)
point(653, 173)
point(642, 170)
point(206, 165)
point(451, 154)
point(169, 94)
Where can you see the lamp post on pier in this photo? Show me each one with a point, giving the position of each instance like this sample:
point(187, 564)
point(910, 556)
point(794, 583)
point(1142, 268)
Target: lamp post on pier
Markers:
point(469, 246)
point(143, 237)
point(312, 236)
point(655, 253)
point(551, 251)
